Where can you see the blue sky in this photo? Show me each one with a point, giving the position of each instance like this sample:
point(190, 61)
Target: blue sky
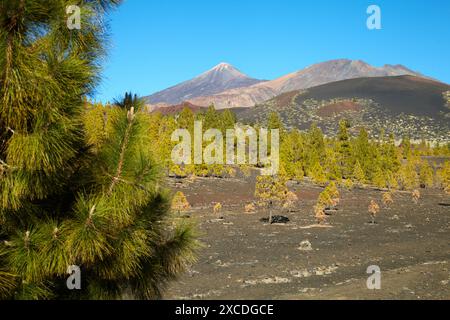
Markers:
point(156, 44)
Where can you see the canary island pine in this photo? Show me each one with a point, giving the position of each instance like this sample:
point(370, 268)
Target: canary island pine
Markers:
point(66, 199)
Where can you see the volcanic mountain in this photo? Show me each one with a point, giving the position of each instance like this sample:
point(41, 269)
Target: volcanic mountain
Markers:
point(315, 75)
point(220, 78)
point(404, 105)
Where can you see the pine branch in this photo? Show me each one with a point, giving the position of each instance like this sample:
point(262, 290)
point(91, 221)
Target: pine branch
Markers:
point(118, 174)
point(3, 165)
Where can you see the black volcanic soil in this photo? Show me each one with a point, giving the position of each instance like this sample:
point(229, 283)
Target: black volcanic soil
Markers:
point(244, 258)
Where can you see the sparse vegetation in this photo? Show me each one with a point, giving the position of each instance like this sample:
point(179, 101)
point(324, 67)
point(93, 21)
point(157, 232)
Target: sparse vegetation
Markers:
point(330, 197)
point(319, 214)
point(444, 177)
point(373, 209)
point(217, 210)
point(180, 203)
point(270, 191)
point(250, 208)
point(290, 201)
point(387, 199)
point(416, 196)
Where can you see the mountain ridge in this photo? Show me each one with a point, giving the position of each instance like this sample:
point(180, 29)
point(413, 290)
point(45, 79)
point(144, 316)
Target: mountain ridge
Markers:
point(311, 76)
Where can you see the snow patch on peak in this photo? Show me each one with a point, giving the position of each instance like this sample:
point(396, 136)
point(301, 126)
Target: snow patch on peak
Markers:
point(223, 66)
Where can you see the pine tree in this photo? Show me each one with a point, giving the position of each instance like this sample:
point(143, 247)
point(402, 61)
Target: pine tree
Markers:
point(426, 174)
point(270, 191)
point(129, 101)
point(387, 199)
point(332, 166)
point(211, 119)
point(358, 174)
point(416, 196)
point(444, 177)
point(319, 214)
point(96, 120)
point(379, 179)
point(406, 147)
point(363, 153)
point(330, 197)
point(408, 176)
point(228, 120)
point(290, 201)
point(291, 155)
point(373, 209)
point(391, 180)
point(180, 203)
point(344, 149)
point(274, 122)
point(317, 174)
point(315, 148)
point(186, 119)
point(62, 202)
point(217, 209)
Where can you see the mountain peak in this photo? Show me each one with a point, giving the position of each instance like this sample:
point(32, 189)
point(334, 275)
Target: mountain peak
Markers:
point(222, 77)
point(223, 65)
point(226, 68)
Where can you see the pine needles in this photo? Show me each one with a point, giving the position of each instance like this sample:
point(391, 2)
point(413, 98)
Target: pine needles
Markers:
point(76, 188)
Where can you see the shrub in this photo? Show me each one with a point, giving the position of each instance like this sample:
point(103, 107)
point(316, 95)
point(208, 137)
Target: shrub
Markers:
point(416, 196)
point(250, 208)
point(373, 209)
point(217, 208)
point(180, 202)
point(290, 201)
point(387, 199)
point(319, 214)
point(271, 192)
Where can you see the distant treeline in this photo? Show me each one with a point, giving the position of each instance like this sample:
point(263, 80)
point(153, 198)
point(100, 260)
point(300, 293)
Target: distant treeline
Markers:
point(348, 160)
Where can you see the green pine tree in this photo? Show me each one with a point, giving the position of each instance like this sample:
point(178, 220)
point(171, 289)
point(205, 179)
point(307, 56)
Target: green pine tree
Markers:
point(408, 176)
point(291, 155)
point(185, 120)
point(344, 149)
point(358, 174)
point(271, 192)
point(211, 119)
point(317, 174)
point(379, 178)
point(406, 147)
point(62, 202)
point(228, 120)
point(314, 150)
point(426, 174)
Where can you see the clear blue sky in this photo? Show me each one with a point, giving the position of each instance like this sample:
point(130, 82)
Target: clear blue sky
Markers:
point(156, 44)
